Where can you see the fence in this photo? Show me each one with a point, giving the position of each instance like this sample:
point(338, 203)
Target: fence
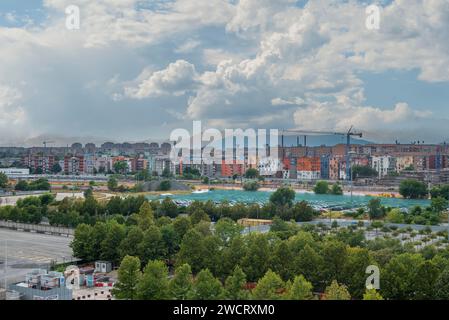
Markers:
point(37, 228)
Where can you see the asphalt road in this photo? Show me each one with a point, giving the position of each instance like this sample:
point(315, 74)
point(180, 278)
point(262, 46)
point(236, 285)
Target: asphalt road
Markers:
point(346, 223)
point(27, 251)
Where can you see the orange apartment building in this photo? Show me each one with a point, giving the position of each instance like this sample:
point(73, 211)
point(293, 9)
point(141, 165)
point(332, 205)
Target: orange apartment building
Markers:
point(228, 170)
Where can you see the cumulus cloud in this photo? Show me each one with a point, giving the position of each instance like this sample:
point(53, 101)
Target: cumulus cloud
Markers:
point(246, 63)
point(176, 79)
point(10, 110)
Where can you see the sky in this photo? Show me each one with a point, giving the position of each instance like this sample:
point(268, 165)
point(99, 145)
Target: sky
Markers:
point(136, 70)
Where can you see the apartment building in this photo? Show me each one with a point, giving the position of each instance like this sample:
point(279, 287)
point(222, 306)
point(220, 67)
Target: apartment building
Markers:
point(74, 165)
point(308, 168)
point(383, 165)
point(38, 163)
point(404, 162)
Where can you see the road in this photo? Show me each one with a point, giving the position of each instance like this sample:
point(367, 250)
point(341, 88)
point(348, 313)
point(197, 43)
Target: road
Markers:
point(27, 251)
point(346, 223)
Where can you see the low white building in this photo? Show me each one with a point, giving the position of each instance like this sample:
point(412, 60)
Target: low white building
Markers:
point(15, 171)
point(308, 175)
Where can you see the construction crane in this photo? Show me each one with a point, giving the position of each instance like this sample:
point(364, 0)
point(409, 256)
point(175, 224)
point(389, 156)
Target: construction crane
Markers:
point(350, 133)
point(46, 142)
point(45, 146)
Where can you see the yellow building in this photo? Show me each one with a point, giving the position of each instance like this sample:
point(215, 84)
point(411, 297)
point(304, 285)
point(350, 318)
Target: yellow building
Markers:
point(254, 222)
point(403, 163)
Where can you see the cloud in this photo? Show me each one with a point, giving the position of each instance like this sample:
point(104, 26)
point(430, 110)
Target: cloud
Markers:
point(246, 63)
point(376, 121)
point(178, 78)
point(10, 110)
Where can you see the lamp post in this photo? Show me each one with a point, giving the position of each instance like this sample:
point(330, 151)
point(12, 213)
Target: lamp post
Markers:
point(6, 264)
point(350, 171)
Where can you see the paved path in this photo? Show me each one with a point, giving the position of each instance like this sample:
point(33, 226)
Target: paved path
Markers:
point(346, 223)
point(27, 251)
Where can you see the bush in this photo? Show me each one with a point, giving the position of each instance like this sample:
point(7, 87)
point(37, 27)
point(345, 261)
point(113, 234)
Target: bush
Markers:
point(164, 185)
point(413, 189)
point(283, 196)
point(251, 186)
point(336, 190)
point(321, 187)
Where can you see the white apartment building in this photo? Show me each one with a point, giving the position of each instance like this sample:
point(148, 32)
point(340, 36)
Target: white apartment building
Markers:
point(383, 165)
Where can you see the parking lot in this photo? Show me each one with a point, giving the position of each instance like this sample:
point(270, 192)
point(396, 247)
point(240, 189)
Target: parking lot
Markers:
point(26, 251)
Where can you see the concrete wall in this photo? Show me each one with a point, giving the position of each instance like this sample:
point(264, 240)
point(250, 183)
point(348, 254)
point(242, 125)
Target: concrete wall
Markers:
point(37, 228)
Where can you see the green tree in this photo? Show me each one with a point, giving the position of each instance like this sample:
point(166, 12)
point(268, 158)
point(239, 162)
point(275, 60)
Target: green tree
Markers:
point(110, 245)
point(88, 193)
point(21, 185)
point(145, 217)
point(372, 294)
point(154, 284)
point(363, 172)
point(152, 247)
point(251, 173)
point(166, 173)
point(168, 208)
point(82, 245)
point(336, 189)
point(192, 250)
point(425, 280)
point(120, 167)
point(256, 261)
point(439, 204)
point(334, 254)
point(301, 289)
point(284, 196)
point(235, 285)
point(310, 264)
point(131, 243)
point(112, 184)
point(3, 180)
point(353, 275)
point(321, 187)
point(233, 255)
point(269, 287)
point(395, 216)
point(199, 215)
point(375, 209)
point(336, 292)
point(181, 226)
point(281, 260)
point(413, 189)
point(302, 211)
point(165, 185)
point(171, 240)
point(129, 276)
point(399, 276)
point(206, 287)
point(440, 191)
point(56, 168)
point(251, 186)
point(227, 229)
point(181, 284)
point(442, 285)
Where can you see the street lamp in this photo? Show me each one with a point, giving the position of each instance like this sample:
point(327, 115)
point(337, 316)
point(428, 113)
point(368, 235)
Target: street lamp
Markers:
point(350, 153)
